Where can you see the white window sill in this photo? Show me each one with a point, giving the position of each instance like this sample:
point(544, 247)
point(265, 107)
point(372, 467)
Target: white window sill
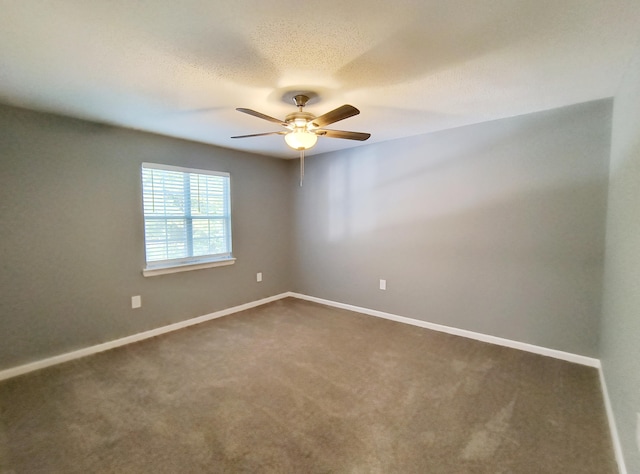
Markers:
point(149, 272)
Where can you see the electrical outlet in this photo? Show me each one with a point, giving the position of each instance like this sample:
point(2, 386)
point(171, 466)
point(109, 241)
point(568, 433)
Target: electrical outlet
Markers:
point(259, 277)
point(638, 430)
point(136, 301)
point(383, 284)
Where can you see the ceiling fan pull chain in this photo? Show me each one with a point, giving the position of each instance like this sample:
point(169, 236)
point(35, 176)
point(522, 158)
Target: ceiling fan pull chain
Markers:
point(301, 167)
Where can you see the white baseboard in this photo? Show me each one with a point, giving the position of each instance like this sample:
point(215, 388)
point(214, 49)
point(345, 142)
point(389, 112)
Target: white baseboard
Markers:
point(575, 358)
point(523, 346)
point(615, 439)
point(41, 364)
point(589, 361)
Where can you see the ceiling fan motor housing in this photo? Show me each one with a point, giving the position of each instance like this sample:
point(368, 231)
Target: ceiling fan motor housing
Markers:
point(299, 119)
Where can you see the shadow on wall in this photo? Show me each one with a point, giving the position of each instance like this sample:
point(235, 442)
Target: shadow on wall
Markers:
point(380, 185)
point(529, 266)
point(497, 228)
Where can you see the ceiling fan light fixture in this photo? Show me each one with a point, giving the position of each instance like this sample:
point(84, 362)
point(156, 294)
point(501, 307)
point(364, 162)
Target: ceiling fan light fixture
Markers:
point(304, 128)
point(301, 139)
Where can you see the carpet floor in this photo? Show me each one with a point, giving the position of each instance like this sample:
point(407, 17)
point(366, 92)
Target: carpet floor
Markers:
point(298, 387)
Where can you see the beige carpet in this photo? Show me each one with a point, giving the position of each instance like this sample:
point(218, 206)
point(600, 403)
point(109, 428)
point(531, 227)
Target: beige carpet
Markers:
point(297, 387)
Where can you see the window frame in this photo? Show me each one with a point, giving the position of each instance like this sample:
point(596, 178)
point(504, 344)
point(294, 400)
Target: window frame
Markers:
point(161, 267)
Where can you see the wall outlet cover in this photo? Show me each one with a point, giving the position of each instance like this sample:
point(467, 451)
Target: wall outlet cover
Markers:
point(383, 284)
point(136, 301)
point(259, 276)
point(638, 430)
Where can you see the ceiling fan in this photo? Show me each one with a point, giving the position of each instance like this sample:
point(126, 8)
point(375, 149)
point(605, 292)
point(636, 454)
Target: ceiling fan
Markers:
point(303, 128)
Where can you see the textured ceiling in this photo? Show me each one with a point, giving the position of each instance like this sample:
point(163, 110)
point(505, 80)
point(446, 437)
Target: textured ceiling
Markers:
point(180, 68)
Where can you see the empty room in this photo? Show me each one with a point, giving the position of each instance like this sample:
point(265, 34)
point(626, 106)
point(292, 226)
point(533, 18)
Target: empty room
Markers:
point(346, 237)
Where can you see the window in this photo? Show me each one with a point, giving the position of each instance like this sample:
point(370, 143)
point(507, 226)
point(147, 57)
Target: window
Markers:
point(187, 219)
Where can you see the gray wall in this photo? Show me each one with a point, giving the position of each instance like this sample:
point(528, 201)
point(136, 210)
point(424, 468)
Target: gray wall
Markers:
point(496, 228)
point(620, 340)
point(72, 234)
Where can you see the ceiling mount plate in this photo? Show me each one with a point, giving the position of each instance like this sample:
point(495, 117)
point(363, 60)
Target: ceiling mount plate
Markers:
point(300, 100)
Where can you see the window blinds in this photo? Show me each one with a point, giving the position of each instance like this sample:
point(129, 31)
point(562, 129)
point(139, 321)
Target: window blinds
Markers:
point(186, 215)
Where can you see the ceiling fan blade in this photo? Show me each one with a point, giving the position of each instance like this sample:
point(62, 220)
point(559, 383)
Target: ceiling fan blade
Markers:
point(260, 134)
point(262, 116)
point(335, 115)
point(361, 136)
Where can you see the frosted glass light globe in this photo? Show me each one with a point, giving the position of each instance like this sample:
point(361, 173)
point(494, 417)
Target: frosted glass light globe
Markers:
point(301, 139)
